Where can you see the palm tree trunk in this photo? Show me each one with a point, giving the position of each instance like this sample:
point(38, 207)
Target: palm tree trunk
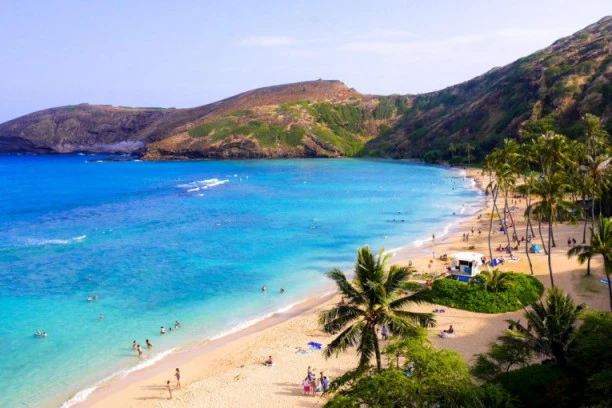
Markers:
point(527, 233)
point(377, 351)
point(608, 269)
point(491, 224)
point(505, 224)
point(586, 221)
point(552, 281)
point(541, 236)
point(511, 220)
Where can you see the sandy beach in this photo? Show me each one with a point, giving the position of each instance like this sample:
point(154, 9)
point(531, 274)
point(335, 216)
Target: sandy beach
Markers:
point(230, 372)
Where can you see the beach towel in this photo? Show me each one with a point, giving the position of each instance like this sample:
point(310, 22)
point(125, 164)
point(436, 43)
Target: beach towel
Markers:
point(315, 346)
point(303, 351)
point(604, 281)
point(536, 248)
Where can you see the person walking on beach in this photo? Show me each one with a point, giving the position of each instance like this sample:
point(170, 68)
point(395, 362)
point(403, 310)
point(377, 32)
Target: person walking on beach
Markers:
point(306, 384)
point(169, 388)
point(385, 333)
point(177, 374)
point(313, 386)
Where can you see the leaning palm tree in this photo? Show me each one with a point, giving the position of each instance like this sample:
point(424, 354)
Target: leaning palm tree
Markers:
point(601, 244)
point(372, 299)
point(553, 323)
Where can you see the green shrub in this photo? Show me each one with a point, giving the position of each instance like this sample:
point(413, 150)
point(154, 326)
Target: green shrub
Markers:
point(536, 385)
point(524, 291)
point(408, 286)
point(294, 136)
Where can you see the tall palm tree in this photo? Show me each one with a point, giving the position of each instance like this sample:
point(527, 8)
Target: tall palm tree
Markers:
point(528, 181)
point(469, 148)
point(601, 244)
point(553, 323)
point(452, 149)
point(551, 189)
point(373, 299)
point(596, 169)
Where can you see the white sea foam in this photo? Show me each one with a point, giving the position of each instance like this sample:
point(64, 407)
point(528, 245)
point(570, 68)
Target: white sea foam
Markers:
point(83, 394)
point(52, 241)
point(202, 185)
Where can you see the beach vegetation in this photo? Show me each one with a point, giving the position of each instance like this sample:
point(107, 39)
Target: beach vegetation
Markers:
point(583, 381)
point(501, 358)
point(552, 326)
point(432, 156)
point(418, 375)
point(519, 290)
point(493, 281)
point(601, 244)
point(372, 300)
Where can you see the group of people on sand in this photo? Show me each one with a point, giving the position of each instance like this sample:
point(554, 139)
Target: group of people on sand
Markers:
point(312, 384)
point(448, 332)
point(177, 374)
point(177, 325)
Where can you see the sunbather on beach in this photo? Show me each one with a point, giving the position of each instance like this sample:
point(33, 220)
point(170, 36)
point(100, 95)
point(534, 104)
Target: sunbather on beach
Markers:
point(269, 362)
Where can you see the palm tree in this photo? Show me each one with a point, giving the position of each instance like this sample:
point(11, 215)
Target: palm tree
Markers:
point(601, 244)
point(493, 281)
point(551, 189)
point(595, 169)
point(469, 148)
point(452, 149)
point(553, 323)
point(373, 299)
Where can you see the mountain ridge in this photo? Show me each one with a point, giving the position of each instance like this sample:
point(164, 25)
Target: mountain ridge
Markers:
point(325, 118)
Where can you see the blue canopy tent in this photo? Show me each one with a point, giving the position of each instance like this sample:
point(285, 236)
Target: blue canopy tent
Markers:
point(536, 248)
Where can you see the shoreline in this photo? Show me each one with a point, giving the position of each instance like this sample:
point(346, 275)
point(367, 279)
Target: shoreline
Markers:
point(119, 382)
point(231, 372)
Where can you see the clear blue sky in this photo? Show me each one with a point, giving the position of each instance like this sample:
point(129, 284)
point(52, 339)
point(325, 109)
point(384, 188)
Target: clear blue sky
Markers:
point(177, 53)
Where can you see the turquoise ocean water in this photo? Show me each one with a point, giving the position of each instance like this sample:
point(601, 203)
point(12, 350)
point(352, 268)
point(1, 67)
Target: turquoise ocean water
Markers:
point(192, 241)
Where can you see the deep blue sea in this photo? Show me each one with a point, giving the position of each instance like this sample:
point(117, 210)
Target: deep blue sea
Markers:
point(189, 241)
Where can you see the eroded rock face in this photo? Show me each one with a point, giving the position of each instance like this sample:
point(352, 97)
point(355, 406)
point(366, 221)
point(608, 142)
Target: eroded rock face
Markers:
point(159, 134)
point(83, 128)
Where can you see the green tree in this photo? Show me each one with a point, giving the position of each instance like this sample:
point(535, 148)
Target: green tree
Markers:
point(372, 300)
point(601, 244)
point(427, 377)
point(553, 325)
point(493, 281)
point(452, 149)
point(552, 190)
point(500, 358)
point(469, 148)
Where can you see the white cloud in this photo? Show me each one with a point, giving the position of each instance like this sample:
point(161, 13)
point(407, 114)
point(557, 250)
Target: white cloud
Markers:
point(378, 34)
point(267, 41)
point(390, 45)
